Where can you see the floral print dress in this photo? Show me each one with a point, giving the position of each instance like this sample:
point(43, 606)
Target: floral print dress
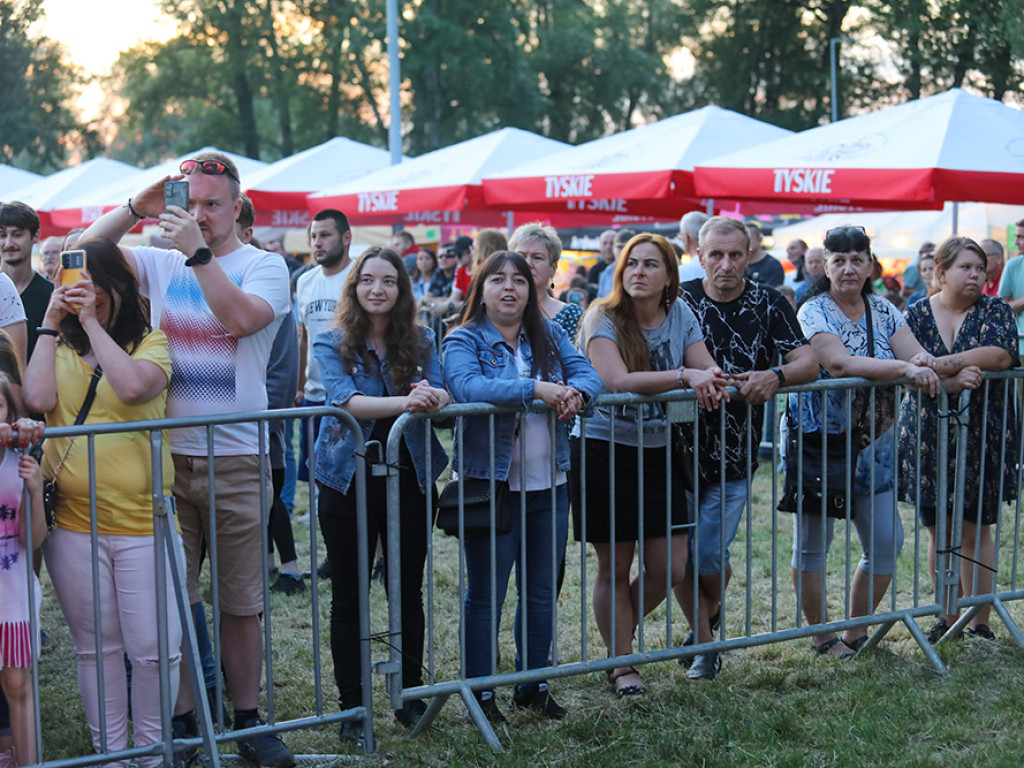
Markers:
point(989, 323)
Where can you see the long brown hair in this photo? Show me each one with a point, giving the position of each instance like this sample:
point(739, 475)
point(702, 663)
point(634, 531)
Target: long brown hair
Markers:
point(618, 305)
point(404, 337)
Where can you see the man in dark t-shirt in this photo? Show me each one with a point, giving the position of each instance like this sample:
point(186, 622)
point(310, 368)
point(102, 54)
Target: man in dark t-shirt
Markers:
point(746, 326)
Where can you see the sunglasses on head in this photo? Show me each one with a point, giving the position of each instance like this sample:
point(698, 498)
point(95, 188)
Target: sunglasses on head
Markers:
point(842, 230)
point(208, 167)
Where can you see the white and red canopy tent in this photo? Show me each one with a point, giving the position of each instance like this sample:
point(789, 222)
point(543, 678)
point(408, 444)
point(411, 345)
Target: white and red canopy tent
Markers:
point(12, 179)
point(90, 204)
point(278, 192)
point(57, 190)
point(645, 171)
point(954, 146)
point(439, 187)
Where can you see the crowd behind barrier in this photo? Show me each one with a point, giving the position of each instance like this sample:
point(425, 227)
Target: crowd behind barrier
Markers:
point(761, 606)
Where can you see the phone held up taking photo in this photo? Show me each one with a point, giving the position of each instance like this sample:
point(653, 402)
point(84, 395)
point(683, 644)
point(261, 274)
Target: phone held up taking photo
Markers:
point(73, 264)
point(176, 193)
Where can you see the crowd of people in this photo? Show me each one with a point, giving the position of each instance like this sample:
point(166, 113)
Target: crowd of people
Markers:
point(205, 326)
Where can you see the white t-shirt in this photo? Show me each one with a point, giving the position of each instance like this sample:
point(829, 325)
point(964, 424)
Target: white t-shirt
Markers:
point(317, 296)
point(213, 373)
point(11, 309)
point(690, 270)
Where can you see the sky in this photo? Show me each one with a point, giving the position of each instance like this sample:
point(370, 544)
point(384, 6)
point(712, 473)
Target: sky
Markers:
point(95, 33)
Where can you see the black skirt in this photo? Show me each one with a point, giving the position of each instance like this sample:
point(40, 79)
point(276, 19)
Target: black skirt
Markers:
point(663, 515)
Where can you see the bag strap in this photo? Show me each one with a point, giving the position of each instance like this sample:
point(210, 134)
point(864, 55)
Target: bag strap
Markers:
point(870, 324)
point(83, 413)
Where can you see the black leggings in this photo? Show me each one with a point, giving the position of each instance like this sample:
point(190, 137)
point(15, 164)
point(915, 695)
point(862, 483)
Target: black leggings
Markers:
point(337, 513)
point(279, 523)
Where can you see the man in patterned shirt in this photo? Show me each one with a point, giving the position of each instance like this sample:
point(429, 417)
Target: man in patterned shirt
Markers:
point(746, 325)
point(220, 303)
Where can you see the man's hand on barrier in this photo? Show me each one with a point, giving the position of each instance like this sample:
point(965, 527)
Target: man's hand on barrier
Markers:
point(756, 387)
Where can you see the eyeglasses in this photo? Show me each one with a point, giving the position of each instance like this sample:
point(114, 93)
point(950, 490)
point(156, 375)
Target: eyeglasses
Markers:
point(449, 255)
point(208, 167)
point(841, 230)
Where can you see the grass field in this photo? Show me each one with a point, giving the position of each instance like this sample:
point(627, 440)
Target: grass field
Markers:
point(774, 705)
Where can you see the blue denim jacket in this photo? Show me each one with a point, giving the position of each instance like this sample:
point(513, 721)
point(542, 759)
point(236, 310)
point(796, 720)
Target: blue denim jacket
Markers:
point(480, 367)
point(335, 445)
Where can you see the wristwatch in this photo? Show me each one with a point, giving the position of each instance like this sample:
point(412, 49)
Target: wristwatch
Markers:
point(782, 377)
point(201, 256)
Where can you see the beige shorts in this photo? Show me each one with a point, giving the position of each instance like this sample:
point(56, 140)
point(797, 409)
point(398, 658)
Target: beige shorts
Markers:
point(239, 524)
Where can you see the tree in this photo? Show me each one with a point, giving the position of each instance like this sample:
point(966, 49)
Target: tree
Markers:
point(37, 124)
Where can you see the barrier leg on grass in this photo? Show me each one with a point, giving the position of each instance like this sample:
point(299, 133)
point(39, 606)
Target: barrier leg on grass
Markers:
point(1011, 625)
point(876, 637)
point(926, 648)
point(428, 717)
point(480, 720)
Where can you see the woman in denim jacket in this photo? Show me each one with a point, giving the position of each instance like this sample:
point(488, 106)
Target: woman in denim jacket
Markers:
point(506, 353)
point(377, 363)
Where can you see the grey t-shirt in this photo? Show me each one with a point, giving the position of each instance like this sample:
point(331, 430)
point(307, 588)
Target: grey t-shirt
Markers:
point(666, 345)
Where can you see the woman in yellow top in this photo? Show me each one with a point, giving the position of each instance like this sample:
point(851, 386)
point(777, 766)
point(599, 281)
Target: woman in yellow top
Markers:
point(98, 328)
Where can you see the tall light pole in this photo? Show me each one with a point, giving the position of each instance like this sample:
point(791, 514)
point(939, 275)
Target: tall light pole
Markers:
point(832, 60)
point(394, 84)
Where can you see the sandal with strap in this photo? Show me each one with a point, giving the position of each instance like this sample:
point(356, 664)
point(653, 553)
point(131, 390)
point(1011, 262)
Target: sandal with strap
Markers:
point(626, 690)
point(852, 649)
point(825, 649)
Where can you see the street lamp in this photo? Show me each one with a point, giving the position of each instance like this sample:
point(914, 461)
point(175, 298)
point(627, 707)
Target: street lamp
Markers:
point(832, 60)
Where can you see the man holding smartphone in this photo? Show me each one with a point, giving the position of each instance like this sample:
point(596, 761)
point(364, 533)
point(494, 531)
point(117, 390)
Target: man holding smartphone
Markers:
point(220, 303)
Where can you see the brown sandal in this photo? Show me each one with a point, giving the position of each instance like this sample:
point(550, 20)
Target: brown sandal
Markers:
point(626, 690)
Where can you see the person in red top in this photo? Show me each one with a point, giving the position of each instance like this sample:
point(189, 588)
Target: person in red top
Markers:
point(994, 268)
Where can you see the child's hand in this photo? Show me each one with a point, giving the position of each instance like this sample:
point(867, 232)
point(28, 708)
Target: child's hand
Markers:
point(29, 471)
point(29, 430)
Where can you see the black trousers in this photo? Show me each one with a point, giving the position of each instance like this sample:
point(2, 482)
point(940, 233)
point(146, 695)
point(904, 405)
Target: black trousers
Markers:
point(337, 513)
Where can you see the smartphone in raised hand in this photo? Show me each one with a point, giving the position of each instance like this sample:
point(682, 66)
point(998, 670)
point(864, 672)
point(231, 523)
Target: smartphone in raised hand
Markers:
point(73, 264)
point(176, 193)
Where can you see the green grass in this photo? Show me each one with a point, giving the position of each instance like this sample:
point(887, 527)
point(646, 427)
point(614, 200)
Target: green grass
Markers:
point(772, 705)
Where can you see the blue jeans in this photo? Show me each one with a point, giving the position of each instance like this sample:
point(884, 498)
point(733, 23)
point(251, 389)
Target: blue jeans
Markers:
point(713, 522)
point(290, 466)
point(545, 533)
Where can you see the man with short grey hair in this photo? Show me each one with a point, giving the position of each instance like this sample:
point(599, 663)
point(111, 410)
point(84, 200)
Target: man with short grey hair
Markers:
point(689, 232)
point(993, 266)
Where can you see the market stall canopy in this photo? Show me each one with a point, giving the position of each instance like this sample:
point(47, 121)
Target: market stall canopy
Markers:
point(899, 234)
point(57, 190)
point(439, 187)
point(278, 192)
point(89, 205)
point(645, 171)
point(12, 179)
point(954, 146)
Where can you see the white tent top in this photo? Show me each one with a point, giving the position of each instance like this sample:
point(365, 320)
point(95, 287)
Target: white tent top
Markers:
point(458, 166)
point(674, 143)
point(58, 189)
point(117, 192)
point(12, 179)
point(899, 234)
point(951, 146)
point(335, 161)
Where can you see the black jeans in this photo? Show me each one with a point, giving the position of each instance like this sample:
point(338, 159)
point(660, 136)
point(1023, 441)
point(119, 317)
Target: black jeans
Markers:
point(279, 523)
point(337, 513)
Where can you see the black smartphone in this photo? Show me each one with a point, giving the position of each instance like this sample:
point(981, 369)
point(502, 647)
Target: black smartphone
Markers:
point(176, 193)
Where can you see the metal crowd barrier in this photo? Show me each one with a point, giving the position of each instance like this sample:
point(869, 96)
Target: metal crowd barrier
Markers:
point(169, 562)
point(761, 606)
